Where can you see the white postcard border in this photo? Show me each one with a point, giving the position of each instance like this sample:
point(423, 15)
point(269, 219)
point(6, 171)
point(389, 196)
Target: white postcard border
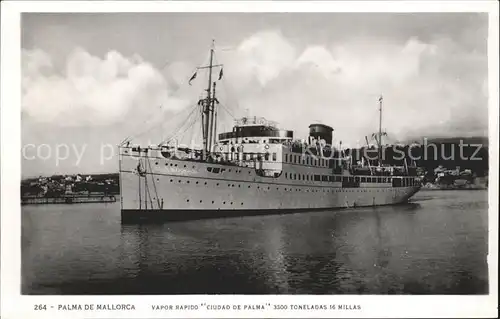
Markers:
point(14, 305)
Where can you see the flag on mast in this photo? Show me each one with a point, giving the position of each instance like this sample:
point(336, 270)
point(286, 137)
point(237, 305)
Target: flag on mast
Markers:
point(221, 73)
point(193, 77)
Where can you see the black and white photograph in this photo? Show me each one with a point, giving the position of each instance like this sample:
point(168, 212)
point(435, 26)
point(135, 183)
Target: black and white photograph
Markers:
point(255, 153)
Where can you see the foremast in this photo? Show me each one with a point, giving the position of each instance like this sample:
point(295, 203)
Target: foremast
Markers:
point(208, 109)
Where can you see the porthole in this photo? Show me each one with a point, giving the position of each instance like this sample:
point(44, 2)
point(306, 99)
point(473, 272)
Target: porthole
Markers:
point(197, 183)
point(248, 186)
point(224, 203)
point(156, 163)
point(185, 166)
point(179, 181)
point(171, 180)
point(241, 203)
point(187, 182)
point(201, 201)
point(231, 203)
point(187, 200)
point(213, 202)
point(217, 184)
point(205, 183)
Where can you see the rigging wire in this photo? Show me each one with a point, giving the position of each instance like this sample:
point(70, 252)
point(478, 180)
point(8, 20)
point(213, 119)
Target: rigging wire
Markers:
point(226, 109)
point(161, 123)
point(225, 85)
point(190, 125)
point(179, 127)
point(154, 184)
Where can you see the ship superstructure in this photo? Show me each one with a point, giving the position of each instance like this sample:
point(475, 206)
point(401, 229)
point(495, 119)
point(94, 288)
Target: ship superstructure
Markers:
point(256, 168)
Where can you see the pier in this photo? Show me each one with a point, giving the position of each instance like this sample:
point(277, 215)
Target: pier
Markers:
point(68, 199)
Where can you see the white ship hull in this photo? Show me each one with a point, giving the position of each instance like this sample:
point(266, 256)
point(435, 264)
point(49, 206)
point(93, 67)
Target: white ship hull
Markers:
point(172, 190)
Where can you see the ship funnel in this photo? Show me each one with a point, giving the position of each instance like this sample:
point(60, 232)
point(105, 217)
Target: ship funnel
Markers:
point(321, 132)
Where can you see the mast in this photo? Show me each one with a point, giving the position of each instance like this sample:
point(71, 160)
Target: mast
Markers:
point(213, 128)
point(380, 132)
point(207, 106)
point(208, 112)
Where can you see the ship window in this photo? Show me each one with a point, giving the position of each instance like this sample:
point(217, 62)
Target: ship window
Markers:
point(286, 157)
point(324, 178)
point(286, 175)
point(317, 178)
point(209, 169)
point(274, 156)
point(363, 179)
point(299, 177)
point(303, 177)
point(216, 170)
point(266, 157)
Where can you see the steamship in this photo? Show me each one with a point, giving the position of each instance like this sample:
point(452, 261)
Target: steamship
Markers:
point(256, 168)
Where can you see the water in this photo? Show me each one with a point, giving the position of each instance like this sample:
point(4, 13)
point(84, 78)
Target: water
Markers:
point(435, 245)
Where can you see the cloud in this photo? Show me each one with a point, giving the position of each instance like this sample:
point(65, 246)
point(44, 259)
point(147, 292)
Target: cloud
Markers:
point(91, 90)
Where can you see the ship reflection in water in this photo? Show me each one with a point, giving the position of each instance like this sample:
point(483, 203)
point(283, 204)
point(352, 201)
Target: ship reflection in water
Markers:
point(435, 245)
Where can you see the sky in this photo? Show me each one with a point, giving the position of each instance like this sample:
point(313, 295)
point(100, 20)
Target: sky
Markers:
point(91, 80)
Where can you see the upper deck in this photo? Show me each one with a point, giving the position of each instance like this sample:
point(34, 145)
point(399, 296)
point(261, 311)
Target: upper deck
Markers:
point(255, 130)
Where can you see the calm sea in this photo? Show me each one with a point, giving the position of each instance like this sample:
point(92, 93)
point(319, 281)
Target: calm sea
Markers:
point(435, 245)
